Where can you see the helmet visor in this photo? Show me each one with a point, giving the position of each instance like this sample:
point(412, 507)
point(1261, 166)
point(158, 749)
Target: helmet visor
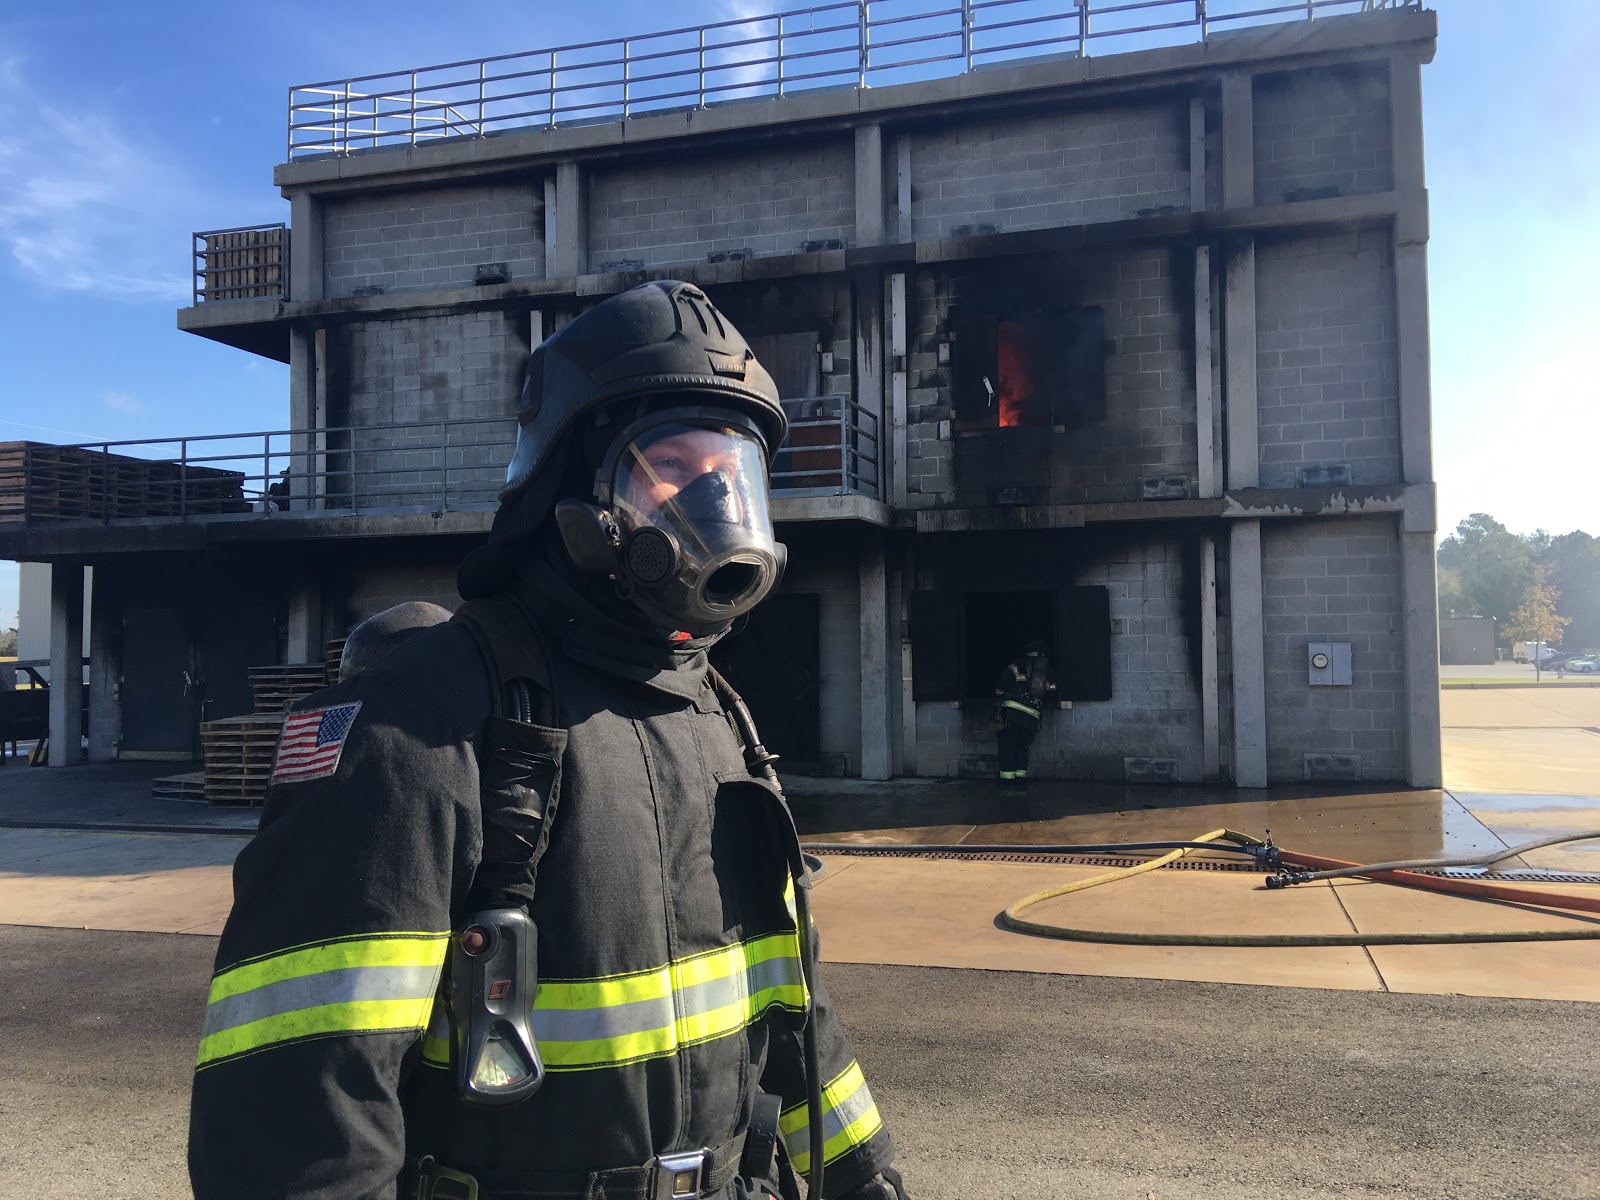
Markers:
point(705, 486)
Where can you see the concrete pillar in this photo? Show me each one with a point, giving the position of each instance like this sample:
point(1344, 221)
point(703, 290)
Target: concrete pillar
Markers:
point(1209, 703)
point(1204, 401)
point(571, 255)
point(902, 176)
point(306, 280)
point(866, 290)
point(105, 676)
point(302, 416)
point(877, 678)
point(305, 625)
point(1197, 154)
point(1411, 270)
point(1419, 598)
point(897, 319)
point(1238, 141)
point(549, 227)
point(1248, 640)
point(869, 185)
point(1239, 365)
point(66, 664)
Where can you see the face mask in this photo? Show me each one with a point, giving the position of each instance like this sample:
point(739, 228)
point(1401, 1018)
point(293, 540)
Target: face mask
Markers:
point(683, 523)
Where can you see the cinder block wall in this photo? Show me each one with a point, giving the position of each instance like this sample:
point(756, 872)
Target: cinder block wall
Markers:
point(1334, 581)
point(1149, 428)
point(1327, 357)
point(424, 369)
point(385, 587)
point(433, 238)
point(1061, 168)
point(681, 211)
point(1154, 711)
point(1322, 132)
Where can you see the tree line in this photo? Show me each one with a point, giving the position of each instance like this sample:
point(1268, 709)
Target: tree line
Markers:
point(1485, 570)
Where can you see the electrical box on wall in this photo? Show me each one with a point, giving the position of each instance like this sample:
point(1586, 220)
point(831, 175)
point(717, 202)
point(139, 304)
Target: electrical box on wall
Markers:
point(1328, 664)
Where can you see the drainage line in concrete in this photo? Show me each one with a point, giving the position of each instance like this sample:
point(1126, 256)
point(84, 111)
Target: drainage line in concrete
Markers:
point(1289, 878)
point(962, 848)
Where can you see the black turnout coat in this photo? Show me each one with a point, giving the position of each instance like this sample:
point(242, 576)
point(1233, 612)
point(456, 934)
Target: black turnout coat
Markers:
point(670, 989)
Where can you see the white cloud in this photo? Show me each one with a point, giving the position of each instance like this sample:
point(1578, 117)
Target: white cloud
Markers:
point(83, 205)
point(122, 402)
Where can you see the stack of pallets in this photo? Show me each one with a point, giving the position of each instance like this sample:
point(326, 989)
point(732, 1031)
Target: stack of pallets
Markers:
point(42, 482)
point(239, 752)
point(274, 689)
point(334, 655)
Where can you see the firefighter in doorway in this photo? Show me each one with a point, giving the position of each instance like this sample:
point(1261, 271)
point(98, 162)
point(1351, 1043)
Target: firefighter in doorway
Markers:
point(1024, 687)
point(526, 915)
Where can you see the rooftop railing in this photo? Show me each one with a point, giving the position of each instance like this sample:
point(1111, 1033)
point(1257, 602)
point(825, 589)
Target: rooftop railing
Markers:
point(850, 43)
point(429, 466)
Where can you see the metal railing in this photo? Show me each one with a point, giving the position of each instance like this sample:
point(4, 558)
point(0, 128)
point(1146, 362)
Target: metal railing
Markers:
point(430, 466)
point(247, 262)
point(849, 43)
point(833, 446)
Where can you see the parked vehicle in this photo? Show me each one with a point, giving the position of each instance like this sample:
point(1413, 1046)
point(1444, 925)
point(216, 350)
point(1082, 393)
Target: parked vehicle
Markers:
point(1586, 664)
point(1533, 652)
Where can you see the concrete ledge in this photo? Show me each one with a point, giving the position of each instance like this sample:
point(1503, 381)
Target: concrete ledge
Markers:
point(1239, 504)
point(850, 507)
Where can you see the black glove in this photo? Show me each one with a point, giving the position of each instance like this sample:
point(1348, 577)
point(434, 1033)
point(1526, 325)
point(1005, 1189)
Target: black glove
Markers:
point(886, 1185)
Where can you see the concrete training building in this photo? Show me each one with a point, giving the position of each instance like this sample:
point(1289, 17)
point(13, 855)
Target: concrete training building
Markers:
point(1126, 352)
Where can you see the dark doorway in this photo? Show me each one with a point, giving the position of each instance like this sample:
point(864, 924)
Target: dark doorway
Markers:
point(999, 626)
point(774, 662)
point(159, 700)
point(233, 641)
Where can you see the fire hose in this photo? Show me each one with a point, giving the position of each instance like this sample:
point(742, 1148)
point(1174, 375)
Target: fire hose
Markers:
point(1274, 857)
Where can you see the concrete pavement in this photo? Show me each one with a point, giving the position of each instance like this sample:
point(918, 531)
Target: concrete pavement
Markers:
point(995, 1084)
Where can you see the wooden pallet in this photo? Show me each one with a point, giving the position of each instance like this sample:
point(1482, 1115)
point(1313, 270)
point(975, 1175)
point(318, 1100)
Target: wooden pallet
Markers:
point(274, 689)
point(331, 660)
point(43, 482)
point(189, 786)
point(239, 753)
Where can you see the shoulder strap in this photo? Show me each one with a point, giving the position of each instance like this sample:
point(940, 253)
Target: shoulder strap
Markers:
point(513, 649)
point(519, 751)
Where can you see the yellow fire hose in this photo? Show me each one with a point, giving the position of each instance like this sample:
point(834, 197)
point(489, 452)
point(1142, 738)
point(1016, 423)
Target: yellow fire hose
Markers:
point(1012, 920)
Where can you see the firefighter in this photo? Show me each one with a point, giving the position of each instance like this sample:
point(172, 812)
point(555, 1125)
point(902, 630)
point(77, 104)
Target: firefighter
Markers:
point(1023, 688)
point(552, 780)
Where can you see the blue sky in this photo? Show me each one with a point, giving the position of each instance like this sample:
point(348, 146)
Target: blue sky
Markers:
point(125, 128)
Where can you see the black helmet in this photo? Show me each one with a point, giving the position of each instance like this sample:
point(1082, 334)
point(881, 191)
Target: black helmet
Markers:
point(658, 338)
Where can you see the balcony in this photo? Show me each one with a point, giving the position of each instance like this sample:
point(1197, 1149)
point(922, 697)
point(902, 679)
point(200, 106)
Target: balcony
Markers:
point(249, 262)
point(829, 468)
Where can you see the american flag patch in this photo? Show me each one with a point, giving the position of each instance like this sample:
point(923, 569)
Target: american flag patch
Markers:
point(311, 742)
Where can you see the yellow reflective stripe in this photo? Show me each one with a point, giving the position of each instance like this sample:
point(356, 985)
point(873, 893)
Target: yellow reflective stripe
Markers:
point(353, 985)
point(1020, 707)
point(356, 1016)
point(653, 1014)
point(849, 1117)
point(383, 950)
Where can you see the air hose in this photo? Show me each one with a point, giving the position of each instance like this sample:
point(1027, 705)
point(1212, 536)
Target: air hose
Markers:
point(1011, 918)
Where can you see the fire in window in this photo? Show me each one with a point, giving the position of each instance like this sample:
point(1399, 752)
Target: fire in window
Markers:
point(1043, 368)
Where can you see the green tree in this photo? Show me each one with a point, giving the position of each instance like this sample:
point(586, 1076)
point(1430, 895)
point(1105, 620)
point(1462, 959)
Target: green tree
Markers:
point(1537, 619)
point(1492, 568)
point(1574, 561)
point(8, 643)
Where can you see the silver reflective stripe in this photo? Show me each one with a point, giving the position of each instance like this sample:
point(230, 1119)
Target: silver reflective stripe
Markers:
point(835, 1120)
point(661, 1012)
point(339, 986)
point(592, 1024)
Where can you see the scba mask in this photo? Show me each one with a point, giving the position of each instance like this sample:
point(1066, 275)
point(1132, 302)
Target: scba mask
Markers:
point(682, 524)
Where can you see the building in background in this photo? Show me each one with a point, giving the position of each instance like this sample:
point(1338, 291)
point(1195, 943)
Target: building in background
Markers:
point(1108, 337)
point(1466, 640)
